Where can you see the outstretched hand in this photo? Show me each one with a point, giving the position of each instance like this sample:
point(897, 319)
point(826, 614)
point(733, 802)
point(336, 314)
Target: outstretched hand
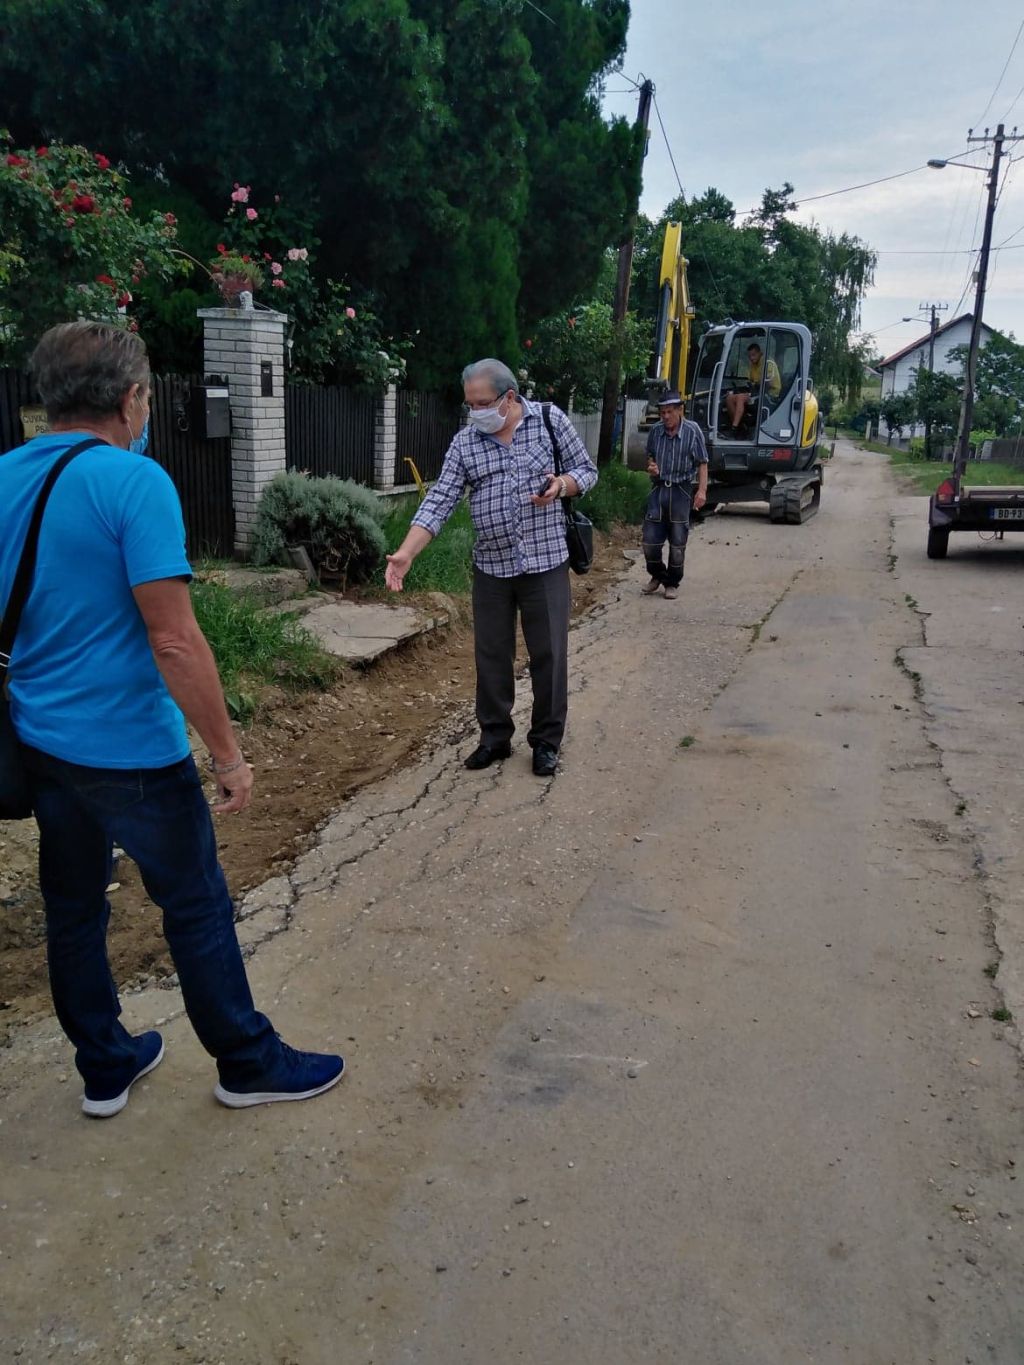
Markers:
point(398, 566)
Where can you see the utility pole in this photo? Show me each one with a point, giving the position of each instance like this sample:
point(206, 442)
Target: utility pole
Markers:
point(933, 310)
point(613, 376)
point(963, 440)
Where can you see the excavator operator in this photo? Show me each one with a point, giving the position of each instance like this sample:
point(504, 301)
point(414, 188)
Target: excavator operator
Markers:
point(737, 399)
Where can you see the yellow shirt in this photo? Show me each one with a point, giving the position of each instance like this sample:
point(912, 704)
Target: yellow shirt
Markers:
point(774, 378)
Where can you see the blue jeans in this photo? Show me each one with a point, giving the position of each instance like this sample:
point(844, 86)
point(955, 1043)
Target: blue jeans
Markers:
point(161, 819)
point(667, 518)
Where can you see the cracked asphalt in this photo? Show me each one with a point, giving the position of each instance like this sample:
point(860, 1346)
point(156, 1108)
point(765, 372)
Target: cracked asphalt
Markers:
point(684, 1057)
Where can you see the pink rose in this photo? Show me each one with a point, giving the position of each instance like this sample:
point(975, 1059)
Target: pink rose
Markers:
point(350, 312)
point(240, 194)
point(276, 267)
point(251, 214)
point(278, 284)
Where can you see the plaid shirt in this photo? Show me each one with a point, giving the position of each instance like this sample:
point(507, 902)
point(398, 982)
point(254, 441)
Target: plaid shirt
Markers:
point(678, 456)
point(512, 535)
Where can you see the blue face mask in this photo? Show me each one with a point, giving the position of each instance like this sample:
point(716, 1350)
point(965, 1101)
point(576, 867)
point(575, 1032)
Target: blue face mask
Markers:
point(140, 444)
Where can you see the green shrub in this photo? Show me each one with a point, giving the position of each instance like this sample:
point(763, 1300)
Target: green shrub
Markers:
point(252, 646)
point(619, 495)
point(915, 448)
point(337, 521)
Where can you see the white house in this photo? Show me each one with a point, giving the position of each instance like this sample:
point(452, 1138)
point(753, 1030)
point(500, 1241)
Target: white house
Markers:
point(897, 370)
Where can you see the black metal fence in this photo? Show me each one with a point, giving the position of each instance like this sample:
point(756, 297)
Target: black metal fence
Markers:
point(329, 430)
point(426, 423)
point(201, 469)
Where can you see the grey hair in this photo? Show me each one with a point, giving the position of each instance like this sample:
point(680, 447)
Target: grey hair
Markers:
point(87, 367)
point(496, 371)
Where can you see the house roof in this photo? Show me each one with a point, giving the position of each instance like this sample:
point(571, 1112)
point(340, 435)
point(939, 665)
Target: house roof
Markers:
point(923, 341)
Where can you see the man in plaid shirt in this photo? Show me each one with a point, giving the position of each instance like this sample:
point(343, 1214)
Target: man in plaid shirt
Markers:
point(675, 453)
point(503, 456)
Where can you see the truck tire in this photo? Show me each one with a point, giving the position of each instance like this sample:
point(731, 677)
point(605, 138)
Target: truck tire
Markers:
point(938, 542)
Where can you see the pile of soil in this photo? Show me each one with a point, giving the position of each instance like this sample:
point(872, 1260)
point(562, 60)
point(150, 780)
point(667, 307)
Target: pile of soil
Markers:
point(310, 753)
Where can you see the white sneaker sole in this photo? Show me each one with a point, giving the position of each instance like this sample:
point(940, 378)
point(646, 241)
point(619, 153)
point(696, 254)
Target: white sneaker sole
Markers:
point(233, 1100)
point(106, 1109)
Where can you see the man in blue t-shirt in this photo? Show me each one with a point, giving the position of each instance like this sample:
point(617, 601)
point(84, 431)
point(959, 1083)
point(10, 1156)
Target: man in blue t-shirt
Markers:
point(107, 658)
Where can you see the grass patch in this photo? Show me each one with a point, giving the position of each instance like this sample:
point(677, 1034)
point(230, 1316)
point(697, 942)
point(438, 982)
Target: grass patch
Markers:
point(252, 647)
point(687, 741)
point(1002, 1015)
point(926, 475)
point(619, 495)
point(991, 970)
point(446, 565)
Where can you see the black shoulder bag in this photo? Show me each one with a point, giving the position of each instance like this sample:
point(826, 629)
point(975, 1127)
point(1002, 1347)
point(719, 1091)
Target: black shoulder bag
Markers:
point(579, 531)
point(15, 795)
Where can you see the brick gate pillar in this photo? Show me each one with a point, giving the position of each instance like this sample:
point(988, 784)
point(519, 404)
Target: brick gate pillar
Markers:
point(385, 439)
point(246, 347)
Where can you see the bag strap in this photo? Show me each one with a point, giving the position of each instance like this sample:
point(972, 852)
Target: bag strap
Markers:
point(23, 575)
point(546, 413)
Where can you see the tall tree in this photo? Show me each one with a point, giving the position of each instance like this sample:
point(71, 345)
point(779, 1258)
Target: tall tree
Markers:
point(451, 154)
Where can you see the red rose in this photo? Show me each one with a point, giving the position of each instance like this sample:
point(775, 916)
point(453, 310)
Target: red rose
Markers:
point(13, 160)
point(83, 203)
point(102, 161)
point(42, 151)
point(529, 343)
point(247, 259)
point(221, 249)
point(126, 202)
point(123, 300)
point(170, 219)
point(105, 279)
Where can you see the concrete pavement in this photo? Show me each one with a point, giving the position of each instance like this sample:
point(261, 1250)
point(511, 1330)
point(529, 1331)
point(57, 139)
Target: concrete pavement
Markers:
point(685, 1057)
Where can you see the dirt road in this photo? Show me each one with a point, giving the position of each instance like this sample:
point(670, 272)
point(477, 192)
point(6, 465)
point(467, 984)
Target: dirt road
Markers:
point(685, 1057)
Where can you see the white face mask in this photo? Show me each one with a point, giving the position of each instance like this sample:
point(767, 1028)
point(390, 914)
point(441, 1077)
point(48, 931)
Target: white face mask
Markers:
point(488, 420)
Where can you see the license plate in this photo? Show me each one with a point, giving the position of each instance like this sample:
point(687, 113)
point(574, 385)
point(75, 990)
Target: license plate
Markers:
point(1007, 513)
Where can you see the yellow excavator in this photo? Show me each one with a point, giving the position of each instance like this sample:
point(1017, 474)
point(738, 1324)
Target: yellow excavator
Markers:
point(750, 393)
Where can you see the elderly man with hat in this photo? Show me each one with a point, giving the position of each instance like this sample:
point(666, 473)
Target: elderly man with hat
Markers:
point(676, 455)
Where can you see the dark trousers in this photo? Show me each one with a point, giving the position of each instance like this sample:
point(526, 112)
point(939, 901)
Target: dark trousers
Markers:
point(160, 817)
point(542, 601)
point(667, 518)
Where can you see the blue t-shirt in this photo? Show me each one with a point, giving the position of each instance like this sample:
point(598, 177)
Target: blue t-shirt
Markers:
point(83, 683)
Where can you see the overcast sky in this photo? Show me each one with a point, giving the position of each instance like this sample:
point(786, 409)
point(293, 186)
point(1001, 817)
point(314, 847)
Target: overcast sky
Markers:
point(827, 94)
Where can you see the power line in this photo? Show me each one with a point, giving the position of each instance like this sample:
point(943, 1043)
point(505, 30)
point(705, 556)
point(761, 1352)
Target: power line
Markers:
point(1013, 104)
point(1006, 65)
point(541, 13)
point(661, 125)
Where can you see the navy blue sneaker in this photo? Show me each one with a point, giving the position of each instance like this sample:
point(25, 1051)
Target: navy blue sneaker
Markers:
point(297, 1076)
point(99, 1102)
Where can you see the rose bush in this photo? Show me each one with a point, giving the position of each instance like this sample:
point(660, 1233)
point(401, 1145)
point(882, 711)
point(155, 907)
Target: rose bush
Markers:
point(71, 245)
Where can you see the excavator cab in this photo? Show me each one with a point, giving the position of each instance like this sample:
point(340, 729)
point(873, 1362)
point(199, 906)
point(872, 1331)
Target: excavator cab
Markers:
point(751, 395)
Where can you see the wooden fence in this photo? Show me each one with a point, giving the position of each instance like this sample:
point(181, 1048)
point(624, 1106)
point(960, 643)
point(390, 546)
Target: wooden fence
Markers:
point(329, 430)
point(425, 424)
point(201, 469)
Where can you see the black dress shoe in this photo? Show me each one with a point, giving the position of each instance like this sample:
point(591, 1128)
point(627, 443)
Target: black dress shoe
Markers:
point(545, 760)
point(485, 755)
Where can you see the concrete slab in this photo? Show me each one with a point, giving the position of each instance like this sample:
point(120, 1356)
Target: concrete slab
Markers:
point(360, 632)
